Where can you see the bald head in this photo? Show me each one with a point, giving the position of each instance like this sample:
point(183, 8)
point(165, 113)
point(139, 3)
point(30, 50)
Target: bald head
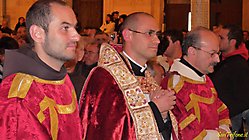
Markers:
point(134, 20)
point(201, 49)
point(195, 37)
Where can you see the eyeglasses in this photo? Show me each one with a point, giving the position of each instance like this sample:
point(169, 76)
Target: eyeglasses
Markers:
point(150, 33)
point(211, 54)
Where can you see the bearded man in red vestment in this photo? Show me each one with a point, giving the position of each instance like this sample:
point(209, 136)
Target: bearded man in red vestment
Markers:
point(37, 98)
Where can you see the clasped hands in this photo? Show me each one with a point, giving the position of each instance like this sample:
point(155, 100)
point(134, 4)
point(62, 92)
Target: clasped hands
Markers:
point(164, 99)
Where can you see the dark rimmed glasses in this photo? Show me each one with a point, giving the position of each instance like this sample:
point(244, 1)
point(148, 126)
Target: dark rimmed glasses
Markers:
point(150, 33)
point(212, 54)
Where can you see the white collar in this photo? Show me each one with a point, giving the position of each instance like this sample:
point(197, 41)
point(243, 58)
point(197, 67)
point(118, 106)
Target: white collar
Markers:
point(142, 68)
point(186, 71)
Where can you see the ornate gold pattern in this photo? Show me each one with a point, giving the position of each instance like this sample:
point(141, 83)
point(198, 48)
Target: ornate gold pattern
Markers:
point(109, 57)
point(147, 83)
point(136, 98)
point(122, 75)
point(142, 115)
point(146, 126)
point(174, 123)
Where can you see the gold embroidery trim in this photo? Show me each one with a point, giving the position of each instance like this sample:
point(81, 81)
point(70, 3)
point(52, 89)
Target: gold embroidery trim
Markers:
point(193, 103)
point(174, 123)
point(135, 99)
point(221, 108)
point(225, 122)
point(191, 80)
point(201, 135)
point(20, 85)
point(187, 121)
point(213, 91)
point(181, 81)
point(52, 106)
point(22, 82)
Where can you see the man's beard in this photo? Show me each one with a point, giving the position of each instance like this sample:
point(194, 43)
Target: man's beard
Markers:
point(53, 53)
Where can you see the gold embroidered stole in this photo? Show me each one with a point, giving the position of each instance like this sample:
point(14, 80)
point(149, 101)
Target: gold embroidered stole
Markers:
point(142, 115)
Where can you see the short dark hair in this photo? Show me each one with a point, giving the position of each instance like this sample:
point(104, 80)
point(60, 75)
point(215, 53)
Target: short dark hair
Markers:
point(235, 32)
point(192, 39)
point(8, 43)
point(21, 18)
point(175, 35)
point(115, 12)
point(110, 16)
point(123, 16)
point(163, 45)
point(40, 14)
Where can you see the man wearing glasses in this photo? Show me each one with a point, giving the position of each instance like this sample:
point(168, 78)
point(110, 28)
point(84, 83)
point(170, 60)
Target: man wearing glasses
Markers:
point(120, 100)
point(200, 114)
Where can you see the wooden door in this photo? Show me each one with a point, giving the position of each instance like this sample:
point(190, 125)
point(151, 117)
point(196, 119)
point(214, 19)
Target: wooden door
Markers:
point(225, 12)
point(89, 12)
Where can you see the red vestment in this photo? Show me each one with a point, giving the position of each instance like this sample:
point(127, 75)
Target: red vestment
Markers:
point(36, 109)
point(198, 108)
point(112, 105)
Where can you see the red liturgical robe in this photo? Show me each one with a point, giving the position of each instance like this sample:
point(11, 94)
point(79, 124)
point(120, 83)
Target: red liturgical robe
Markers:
point(198, 108)
point(112, 103)
point(36, 109)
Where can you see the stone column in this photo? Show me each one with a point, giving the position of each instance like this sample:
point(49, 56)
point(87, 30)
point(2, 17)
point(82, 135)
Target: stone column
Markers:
point(200, 13)
point(245, 15)
point(1, 10)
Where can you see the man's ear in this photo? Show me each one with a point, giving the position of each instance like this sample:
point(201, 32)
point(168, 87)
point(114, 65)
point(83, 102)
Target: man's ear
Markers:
point(191, 50)
point(37, 33)
point(232, 42)
point(126, 35)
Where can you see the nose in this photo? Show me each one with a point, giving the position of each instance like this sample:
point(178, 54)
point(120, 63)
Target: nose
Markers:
point(217, 58)
point(156, 39)
point(75, 35)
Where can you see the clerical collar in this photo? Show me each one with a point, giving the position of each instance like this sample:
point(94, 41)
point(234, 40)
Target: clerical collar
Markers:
point(183, 61)
point(142, 69)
